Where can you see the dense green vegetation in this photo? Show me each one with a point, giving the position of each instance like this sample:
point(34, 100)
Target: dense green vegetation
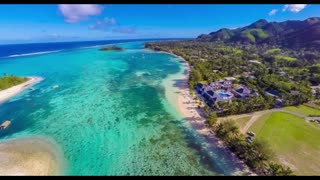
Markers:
point(284, 71)
point(9, 81)
point(265, 56)
point(275, 169)
point(110, 48)
point(212, 119)
point(253, 34)
point(256, 154)
point(290, 34)
point(294, 141)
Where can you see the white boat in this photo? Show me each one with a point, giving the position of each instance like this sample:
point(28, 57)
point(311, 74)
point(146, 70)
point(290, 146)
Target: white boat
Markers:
point(5, 125)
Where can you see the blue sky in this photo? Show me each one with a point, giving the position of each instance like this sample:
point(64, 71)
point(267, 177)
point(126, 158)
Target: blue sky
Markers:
point(46, 23)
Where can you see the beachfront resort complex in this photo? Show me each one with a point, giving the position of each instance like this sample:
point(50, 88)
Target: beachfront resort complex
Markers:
point(223, 90)
point(162, 90)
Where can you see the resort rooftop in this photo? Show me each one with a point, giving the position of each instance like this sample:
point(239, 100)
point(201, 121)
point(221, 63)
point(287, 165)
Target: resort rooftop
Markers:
point(223, 90)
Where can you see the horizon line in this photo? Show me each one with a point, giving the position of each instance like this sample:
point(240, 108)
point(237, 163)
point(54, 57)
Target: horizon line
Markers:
point(52, 42)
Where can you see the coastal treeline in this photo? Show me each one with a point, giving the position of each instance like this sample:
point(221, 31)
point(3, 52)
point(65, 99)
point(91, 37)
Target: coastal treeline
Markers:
point(7, 81)
point(280, 62)
point(256, 154)
point(262, 68)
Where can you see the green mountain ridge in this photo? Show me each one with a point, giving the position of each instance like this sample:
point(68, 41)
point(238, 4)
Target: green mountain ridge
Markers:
point(291, 34)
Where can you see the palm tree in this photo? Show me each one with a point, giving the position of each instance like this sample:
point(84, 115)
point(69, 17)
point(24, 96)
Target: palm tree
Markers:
point(275, 169)
point(259, 152)
point(233, 130)
point(212, 119)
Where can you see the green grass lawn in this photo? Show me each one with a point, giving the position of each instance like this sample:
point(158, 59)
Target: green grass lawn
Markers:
point(285, 58)
point(253, 33)
point(295, 141)
point(302, 109)
point(274, 50)
point(241, 122)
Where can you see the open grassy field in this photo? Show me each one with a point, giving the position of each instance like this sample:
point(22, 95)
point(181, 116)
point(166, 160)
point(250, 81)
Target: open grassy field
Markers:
point(285, 58)
point(305, 110)
point(295, 141)
point(274, 50)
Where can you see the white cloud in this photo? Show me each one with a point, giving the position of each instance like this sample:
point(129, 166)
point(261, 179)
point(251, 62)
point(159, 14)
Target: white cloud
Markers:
point(74, 13)
point(111, 25)
point(294, 7)
point(104, 24)
point(273, 12)
point(124, 30)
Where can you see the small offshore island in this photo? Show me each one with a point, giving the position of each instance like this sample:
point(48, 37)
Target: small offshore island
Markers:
point(24, 156)
point(9, 81)
point(12, 85)
point(111, 48)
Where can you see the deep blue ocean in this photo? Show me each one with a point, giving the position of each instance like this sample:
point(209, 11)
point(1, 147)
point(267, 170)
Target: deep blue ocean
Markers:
point(18, 50)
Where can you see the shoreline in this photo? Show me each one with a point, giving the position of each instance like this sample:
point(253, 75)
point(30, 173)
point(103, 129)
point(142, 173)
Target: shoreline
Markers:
point(188, 107)
point(6, 94)
point(30, 156)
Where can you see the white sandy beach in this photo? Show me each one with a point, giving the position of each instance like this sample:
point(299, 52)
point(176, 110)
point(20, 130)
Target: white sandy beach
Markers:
point(10, 92)
point(188, 107)
point(29, 156)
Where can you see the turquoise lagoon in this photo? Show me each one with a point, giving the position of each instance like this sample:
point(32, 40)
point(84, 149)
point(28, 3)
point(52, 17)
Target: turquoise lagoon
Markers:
point(110, 115)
